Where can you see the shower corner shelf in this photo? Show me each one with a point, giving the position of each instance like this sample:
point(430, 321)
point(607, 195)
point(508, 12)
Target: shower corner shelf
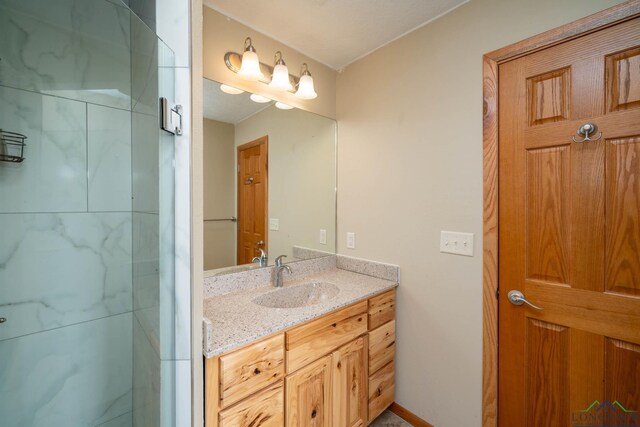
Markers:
point(11, 147)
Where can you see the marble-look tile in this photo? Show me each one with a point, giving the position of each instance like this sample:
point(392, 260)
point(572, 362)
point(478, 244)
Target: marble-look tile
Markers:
point(183, 219)
point(146, 11)
point(144, 68)
point(146, 380)
point(109, 158)
point(172, 26)
point(167, 391)
point(78, 375)
point(77, 49)
point(60, 269)
point(146, 266)
point(125, 420)
point(53, 177)
point(166, 59)
point(146, 280)
point(370, 268)
point(183, 392)
point(146, 163)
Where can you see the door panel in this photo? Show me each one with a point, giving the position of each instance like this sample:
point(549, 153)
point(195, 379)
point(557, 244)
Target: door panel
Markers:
point(623, 222)
point(547, 354)
point(252, 199)
point(570, 229)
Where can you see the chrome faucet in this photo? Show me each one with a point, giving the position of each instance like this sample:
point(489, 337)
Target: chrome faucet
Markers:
point(279, 267)
point(262, 259)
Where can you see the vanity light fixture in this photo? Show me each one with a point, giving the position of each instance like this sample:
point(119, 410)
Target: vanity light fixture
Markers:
point(259, 98)
point(283, 106)
point(305, 86)
point(276, 77)
point(250, 68)
point(280, 77)
point(231, 90)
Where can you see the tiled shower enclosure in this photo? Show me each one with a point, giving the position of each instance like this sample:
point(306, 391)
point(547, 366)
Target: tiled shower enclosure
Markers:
point(87, 219)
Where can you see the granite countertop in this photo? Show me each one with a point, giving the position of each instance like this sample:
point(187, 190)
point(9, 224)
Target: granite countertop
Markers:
point(233, 320)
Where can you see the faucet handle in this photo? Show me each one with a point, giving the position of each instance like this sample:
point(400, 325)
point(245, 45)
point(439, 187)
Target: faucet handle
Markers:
point(279, 260)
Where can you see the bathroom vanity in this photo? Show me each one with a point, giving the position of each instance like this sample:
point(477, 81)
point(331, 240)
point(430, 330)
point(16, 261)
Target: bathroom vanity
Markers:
point(319, 351)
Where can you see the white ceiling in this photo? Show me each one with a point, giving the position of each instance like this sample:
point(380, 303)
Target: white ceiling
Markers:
point(334, 32)
point(227, 108)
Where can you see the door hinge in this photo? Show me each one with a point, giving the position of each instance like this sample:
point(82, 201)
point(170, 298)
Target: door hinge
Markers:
point(170, 117)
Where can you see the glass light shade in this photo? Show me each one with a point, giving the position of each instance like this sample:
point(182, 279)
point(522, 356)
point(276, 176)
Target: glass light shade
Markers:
point(250, 68)
point(280, 79)
point(259, 98)
point(283, 106)
point(231, 90)
point(305, 88)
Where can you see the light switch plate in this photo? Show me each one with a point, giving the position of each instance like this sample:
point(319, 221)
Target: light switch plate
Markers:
point(351, 240)
point(457, 243)
point(323, 236)
point(274, 224)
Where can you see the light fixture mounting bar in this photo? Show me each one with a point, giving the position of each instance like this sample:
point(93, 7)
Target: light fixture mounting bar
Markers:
point(233, 60)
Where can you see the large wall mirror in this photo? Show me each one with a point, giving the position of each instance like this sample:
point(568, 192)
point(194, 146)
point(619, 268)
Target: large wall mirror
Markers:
point(269, 181)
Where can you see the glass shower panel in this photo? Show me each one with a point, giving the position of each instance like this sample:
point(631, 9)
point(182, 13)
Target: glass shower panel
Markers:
point(87, 219)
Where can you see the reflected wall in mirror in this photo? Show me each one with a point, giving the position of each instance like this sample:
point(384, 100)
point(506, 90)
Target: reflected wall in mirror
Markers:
point(269, 182)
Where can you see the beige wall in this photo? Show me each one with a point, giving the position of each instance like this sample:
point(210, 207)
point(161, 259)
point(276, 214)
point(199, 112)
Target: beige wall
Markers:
point(219, 194)
point(301, 176)
point(410, 165)
point(222, 34)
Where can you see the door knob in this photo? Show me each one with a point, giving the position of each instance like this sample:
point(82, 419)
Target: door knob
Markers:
point(517, 298)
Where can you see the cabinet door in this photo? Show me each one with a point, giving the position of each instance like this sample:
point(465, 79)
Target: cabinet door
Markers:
point(349, 377)
point(308, 393)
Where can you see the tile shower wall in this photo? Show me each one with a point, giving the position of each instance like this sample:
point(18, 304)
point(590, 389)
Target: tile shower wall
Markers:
point(82, 284)
point(65, 256)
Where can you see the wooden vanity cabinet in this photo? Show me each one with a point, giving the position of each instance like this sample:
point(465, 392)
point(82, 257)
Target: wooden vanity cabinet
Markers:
point(382, 350)
point(334, 371)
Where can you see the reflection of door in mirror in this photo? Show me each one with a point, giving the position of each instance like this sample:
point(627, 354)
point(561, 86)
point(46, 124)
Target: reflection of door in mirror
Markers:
point(252, 199)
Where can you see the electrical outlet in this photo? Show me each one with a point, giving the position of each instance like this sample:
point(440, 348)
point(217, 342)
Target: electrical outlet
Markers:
point(323, 236)
point(274, 224)
point(351, 240)
point(453, 242)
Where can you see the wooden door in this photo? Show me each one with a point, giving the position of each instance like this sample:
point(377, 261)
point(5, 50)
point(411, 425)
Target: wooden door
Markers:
point(308, 395)
point(253, 184)
point(570, 233)
point(349, 378)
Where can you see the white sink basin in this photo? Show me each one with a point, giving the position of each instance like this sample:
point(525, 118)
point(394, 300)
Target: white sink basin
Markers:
point(298, 296)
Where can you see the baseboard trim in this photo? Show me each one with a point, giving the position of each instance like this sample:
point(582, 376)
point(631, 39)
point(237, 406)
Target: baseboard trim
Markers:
point(408, 416)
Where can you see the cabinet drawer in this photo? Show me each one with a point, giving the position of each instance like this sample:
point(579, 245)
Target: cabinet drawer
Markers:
point(382, 346)
point(265, 409)
point(250, 369)
point(313, 340)
point(381, 390)
point(382, 309)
